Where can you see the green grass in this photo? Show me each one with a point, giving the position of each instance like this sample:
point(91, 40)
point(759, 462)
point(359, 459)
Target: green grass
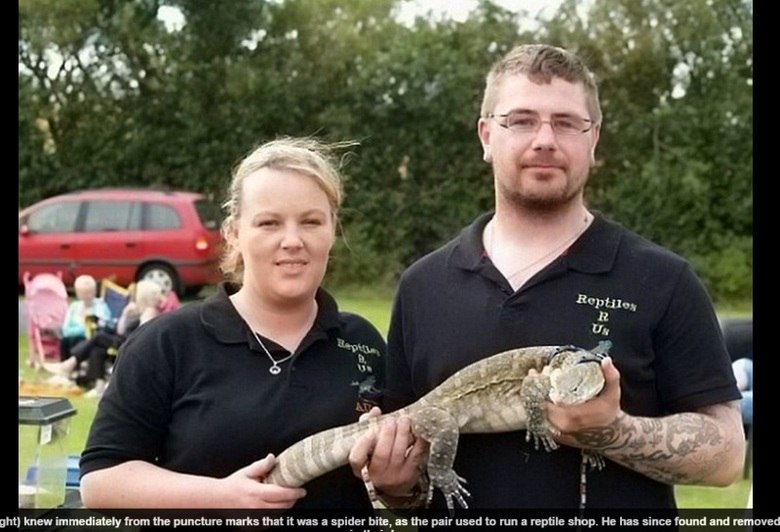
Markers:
point(376, 308)
point(734, 496)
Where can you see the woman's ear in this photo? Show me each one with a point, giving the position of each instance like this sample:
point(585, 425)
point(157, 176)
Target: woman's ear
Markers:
point(230, 231)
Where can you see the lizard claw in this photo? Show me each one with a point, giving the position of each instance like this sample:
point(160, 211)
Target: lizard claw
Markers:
point(458, 496)
point(594, 460)
point(453, 488)
point(546, 440)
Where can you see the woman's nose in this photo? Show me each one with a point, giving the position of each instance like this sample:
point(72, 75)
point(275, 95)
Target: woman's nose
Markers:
point(291, 238)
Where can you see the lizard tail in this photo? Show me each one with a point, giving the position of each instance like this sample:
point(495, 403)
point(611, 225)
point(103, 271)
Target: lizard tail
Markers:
point(317, 454)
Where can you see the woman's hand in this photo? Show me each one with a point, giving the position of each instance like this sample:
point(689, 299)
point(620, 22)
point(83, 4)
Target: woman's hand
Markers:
point(245, 488)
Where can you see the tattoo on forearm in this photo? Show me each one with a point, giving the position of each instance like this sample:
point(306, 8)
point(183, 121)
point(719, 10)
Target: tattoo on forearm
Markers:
point(682, 448)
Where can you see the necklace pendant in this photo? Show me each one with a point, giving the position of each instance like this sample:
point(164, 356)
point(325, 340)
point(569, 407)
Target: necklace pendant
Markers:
point(275, 369)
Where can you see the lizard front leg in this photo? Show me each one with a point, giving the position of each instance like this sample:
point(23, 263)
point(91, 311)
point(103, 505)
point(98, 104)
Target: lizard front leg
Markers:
point(593, 459)
point(533, 394)
point(441, 431)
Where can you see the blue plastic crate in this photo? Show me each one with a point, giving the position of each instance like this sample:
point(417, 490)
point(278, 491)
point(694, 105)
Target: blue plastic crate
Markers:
point(71, 478)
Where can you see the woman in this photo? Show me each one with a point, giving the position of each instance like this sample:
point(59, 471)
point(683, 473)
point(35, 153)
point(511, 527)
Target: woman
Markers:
point(86, 306)
point(202, 398)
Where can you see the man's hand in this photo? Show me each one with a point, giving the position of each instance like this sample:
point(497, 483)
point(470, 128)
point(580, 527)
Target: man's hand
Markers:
point(705, 446)
point(392, 453)
point(601, 411)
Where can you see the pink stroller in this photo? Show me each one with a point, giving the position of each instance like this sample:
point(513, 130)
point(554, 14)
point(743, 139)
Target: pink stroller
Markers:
point(47, 305)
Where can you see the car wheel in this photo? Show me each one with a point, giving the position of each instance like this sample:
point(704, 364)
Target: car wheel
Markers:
point(161, 274)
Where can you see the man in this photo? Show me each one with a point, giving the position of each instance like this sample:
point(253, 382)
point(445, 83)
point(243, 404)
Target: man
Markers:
point(544, 270)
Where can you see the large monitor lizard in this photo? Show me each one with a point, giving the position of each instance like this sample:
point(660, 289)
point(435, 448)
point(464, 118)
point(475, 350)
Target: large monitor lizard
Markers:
point(500, 393)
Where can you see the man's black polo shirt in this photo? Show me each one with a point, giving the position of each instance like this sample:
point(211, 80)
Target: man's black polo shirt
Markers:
point(453, 307)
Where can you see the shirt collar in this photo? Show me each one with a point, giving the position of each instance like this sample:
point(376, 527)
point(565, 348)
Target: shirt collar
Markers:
point(221, 319)
point(594, 252)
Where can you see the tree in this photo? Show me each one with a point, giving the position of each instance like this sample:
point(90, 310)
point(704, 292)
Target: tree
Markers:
point(109, 96)
point(675, 157)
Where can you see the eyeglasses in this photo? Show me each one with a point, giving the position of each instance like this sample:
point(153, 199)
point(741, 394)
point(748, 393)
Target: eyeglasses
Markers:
point(527, 122)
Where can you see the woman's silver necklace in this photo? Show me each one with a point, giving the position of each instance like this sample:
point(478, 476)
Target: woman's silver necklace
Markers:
point(275, 369)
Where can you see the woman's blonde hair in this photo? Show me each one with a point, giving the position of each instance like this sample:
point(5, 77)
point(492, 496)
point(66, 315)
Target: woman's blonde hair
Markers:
point(306, 156)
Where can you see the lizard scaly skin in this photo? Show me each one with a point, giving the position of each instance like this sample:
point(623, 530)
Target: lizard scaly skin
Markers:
point(505, 392)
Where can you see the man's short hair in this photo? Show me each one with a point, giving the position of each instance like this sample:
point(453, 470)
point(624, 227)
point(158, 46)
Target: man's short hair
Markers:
point(541, 63)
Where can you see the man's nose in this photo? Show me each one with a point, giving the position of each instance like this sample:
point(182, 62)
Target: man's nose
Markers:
point(544, 138)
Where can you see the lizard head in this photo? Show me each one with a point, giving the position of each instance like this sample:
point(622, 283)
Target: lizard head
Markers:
point(575, 378)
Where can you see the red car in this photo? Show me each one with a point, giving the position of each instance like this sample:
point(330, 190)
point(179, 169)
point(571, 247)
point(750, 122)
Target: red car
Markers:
point(124, 235)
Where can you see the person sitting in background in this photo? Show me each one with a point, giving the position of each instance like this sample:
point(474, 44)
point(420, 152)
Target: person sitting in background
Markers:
point(86, 305)
point(743, 372)
point(144, 306)
point(170, 301)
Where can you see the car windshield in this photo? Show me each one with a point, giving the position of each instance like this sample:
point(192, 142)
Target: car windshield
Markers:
point(209, 214)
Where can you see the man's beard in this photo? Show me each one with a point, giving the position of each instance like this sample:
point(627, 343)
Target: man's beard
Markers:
point(544, 202)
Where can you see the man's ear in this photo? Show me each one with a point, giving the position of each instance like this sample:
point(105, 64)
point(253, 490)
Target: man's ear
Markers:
point(596, 133)
point(483, 131)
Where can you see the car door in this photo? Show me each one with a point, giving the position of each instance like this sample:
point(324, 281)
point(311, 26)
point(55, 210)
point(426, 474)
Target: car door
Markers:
point(46, 239)
point(108, 243)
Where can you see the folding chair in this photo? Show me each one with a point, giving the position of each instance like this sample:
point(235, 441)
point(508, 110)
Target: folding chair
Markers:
point(116, 297)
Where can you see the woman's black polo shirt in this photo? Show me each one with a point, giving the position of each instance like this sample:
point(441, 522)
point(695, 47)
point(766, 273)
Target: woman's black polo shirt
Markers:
point(192, 392)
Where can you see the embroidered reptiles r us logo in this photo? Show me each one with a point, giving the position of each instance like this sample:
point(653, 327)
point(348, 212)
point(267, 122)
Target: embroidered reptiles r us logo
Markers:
point(600, 325)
